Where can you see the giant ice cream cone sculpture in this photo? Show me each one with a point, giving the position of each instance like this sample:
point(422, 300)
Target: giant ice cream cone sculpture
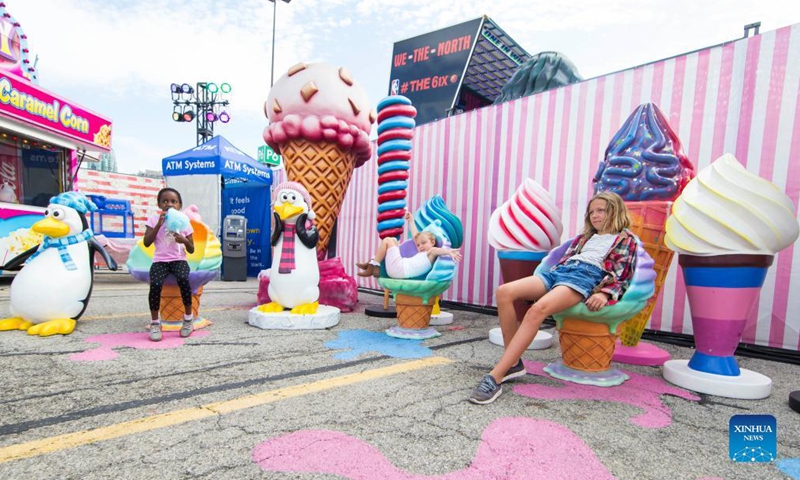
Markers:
point(320, 120)
point(645, 165)
point(726, 227)
point(522, 230)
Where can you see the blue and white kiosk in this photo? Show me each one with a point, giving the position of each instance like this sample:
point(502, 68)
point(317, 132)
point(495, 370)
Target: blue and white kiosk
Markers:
point(222, 180)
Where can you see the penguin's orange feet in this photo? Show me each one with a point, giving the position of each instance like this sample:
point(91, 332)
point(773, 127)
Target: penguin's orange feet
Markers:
point(62, 326)
point(14, 323)
point(271, 307)
point(306, 309)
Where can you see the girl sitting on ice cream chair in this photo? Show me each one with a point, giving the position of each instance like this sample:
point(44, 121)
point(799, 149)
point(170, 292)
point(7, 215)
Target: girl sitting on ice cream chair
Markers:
point(415, 266)
point(596, 269)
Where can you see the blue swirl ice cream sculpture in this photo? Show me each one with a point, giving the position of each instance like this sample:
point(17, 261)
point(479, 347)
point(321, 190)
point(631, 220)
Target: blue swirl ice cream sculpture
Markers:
point(415, 297)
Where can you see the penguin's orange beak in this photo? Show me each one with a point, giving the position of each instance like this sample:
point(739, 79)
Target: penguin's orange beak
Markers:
point(286, 210)
point(51, 227)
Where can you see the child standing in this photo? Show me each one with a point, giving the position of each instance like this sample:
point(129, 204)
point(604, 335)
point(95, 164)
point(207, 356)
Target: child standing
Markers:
point(596, 268)
point(399, 267)
point(169, 258)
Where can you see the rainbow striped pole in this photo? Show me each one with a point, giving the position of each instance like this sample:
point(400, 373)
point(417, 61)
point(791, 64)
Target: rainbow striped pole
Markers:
point(395, 131)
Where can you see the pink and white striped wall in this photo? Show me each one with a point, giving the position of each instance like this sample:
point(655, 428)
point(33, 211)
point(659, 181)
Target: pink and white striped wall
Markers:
point(140, 191)
point(740, 97)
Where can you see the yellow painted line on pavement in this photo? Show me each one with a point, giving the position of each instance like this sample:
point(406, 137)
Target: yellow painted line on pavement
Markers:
point(155, 422)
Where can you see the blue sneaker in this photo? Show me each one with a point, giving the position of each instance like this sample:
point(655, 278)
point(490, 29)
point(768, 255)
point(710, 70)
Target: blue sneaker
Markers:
point(486, 392)
point(516, 371)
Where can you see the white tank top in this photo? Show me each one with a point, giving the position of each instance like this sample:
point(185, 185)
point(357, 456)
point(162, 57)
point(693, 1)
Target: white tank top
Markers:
point(416, 265)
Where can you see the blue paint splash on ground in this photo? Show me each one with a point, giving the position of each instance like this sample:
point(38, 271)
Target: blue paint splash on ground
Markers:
point(790, 466)
point(360, 342)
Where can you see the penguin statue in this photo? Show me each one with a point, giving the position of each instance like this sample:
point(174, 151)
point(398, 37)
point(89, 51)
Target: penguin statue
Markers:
point(52, 290)
point(294, 275)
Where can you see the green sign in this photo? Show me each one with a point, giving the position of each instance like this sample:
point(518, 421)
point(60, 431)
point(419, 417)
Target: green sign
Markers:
point(268, 156)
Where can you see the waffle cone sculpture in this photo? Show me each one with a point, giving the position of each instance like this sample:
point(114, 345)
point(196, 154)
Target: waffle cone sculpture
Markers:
point(324, 169)
point(585, 345)
point(648, 222)
point(413, 312)
point(320, 122)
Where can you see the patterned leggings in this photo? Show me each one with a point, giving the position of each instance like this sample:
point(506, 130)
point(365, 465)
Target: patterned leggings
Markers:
point(159, 272)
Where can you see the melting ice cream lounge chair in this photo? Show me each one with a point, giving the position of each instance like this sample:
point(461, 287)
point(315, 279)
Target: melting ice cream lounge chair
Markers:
point(414, 297)
point(588, 338)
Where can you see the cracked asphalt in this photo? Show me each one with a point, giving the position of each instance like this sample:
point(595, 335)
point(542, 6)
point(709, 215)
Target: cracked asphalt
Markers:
point(211, 407)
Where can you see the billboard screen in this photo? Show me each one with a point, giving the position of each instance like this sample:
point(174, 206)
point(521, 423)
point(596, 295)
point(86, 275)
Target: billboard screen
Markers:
point(427, 69)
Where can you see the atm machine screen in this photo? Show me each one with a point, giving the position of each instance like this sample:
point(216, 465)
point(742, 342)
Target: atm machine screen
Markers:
point(233, 226)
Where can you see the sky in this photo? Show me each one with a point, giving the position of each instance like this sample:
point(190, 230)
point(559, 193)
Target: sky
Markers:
point(119, 57)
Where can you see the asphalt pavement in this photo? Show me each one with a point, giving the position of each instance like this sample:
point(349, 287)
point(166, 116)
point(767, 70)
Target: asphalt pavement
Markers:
point(237, 402)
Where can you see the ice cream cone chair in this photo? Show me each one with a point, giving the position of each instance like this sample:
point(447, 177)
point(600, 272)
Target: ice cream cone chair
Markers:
point(204, 265)
point(588, 338)
point(415, 298)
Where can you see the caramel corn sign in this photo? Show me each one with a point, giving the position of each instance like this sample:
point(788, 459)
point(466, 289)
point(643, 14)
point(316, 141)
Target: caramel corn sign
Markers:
point(28, 102)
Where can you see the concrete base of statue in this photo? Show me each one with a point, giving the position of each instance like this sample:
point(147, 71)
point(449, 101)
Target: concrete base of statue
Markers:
point(748, 385)
point(542, 341)
point(441, 318)
point(643, 353)
point(605, 378)
point(412, 333)
point(326, 317)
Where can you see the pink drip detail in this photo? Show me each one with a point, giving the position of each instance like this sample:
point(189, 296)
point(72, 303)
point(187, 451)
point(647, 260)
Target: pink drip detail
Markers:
point(640, 391)
point(540, 448)
point(137, 340)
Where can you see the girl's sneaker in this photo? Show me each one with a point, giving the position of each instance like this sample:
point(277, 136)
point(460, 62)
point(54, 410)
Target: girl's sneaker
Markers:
point(487, 391)
point(187, 327)
point(155, 332)
point(516, 371)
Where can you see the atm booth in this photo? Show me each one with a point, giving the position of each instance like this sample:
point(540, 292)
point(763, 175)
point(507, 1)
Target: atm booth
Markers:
point(43, 140)
point(223, 181)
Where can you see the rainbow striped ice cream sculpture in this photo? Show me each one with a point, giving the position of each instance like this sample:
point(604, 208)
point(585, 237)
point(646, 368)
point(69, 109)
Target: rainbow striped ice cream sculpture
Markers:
point(522, 230)
point(726, 227)
point(395, 131)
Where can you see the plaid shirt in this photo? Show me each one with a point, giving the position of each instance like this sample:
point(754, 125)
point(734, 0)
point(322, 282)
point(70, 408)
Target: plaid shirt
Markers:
point(618, 264)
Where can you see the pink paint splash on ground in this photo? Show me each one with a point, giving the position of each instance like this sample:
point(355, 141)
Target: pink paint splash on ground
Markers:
point(540, 448)
point(640, 391)
point(139, 340)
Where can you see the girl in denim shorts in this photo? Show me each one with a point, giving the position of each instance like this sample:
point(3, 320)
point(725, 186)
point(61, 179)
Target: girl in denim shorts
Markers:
point(596, 269)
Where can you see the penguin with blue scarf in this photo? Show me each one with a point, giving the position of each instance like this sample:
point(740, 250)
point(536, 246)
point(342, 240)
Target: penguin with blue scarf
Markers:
point(52, 291)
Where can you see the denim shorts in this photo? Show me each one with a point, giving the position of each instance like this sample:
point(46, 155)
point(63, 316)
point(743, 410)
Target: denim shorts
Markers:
point(579, 276)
